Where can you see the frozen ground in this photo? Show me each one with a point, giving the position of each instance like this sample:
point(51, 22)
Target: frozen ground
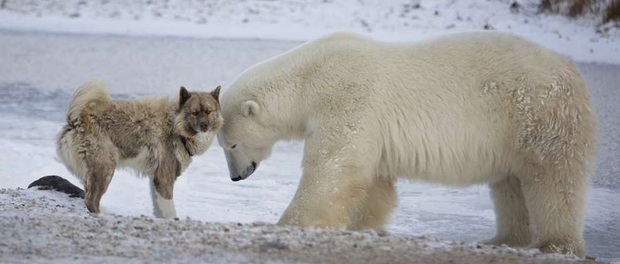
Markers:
point(39, 71)
point(152, 47)
point(47, 227)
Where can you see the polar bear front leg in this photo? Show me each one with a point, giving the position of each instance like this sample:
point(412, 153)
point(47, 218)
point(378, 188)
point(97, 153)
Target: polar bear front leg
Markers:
point(328, 197)
point(336, 179)
point(511, 216)
point(380, 202)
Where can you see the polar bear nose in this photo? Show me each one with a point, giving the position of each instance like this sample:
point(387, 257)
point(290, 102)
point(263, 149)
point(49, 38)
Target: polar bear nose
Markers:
point(246, 173)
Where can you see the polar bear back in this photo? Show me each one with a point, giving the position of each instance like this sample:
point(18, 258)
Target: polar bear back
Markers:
point(493, 100)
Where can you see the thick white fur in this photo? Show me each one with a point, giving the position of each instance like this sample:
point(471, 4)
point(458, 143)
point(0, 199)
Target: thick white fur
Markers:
point(462, 109)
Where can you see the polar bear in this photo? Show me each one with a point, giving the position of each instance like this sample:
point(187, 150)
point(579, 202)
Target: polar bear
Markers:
point(461, 109)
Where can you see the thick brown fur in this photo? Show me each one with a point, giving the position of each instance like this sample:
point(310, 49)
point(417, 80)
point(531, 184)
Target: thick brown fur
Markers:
point(157, 137)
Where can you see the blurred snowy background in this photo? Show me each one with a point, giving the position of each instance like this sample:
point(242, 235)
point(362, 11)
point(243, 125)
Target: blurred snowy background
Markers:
point(151, 47)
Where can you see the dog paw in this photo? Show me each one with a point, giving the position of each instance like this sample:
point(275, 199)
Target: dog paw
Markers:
point(99, 214)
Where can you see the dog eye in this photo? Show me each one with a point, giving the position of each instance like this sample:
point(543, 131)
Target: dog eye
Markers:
point(233, 146)
point(195, 113)
point(207, 111)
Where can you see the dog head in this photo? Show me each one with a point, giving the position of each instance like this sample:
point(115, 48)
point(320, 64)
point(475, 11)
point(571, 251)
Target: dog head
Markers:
point(199, 112)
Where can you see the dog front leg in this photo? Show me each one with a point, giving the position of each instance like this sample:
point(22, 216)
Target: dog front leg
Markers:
point(161, 195)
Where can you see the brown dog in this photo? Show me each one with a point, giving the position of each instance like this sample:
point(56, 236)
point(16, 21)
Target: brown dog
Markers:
point(155, 136)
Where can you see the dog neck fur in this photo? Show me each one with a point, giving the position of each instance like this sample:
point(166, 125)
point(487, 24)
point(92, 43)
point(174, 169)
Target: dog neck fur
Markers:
point(194, 143)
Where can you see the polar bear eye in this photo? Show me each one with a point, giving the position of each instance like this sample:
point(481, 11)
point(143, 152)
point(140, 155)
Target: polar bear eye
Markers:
point(233, 146)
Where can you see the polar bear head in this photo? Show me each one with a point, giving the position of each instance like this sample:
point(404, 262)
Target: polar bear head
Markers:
point(253, 124)
point(264, 104)
point(246, 139)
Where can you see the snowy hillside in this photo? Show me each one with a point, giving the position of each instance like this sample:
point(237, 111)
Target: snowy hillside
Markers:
point(583, 39)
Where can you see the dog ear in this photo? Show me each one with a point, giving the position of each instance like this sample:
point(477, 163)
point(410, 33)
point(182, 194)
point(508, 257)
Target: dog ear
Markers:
point(216, 93)
point(183, 96)
point(250, 107)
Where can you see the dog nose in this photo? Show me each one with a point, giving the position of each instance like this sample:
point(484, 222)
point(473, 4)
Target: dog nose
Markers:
point(204, 127)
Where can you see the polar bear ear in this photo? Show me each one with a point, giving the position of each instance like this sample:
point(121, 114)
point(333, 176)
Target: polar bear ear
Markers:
point(250, 108)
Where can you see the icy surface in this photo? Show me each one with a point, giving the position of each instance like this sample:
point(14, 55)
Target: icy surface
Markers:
point(49, 227)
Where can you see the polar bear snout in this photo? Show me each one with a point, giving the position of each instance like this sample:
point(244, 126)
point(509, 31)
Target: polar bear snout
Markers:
point(246, 173)
point(240, 166)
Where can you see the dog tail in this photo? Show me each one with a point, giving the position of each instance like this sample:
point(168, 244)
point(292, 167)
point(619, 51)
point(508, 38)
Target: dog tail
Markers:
point(91, 92)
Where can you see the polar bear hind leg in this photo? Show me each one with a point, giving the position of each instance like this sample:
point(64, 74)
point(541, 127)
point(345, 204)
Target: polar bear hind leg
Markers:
point(554, 145)
point(555, 201)
point(511, 215)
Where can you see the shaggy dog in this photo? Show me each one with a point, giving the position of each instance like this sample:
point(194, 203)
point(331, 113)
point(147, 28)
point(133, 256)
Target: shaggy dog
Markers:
point(155, 136)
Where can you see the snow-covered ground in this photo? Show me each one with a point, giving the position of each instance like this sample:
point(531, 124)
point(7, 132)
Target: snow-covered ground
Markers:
point(48, 227)
point(151, 49)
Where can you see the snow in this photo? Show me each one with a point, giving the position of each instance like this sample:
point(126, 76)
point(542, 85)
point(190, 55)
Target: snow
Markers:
point(47, 48)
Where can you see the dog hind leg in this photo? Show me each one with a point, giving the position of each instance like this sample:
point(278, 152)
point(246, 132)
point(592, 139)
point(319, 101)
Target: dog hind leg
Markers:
point(101, 162)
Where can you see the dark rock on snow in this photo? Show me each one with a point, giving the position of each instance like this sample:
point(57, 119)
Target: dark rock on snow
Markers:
point(59, 184)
